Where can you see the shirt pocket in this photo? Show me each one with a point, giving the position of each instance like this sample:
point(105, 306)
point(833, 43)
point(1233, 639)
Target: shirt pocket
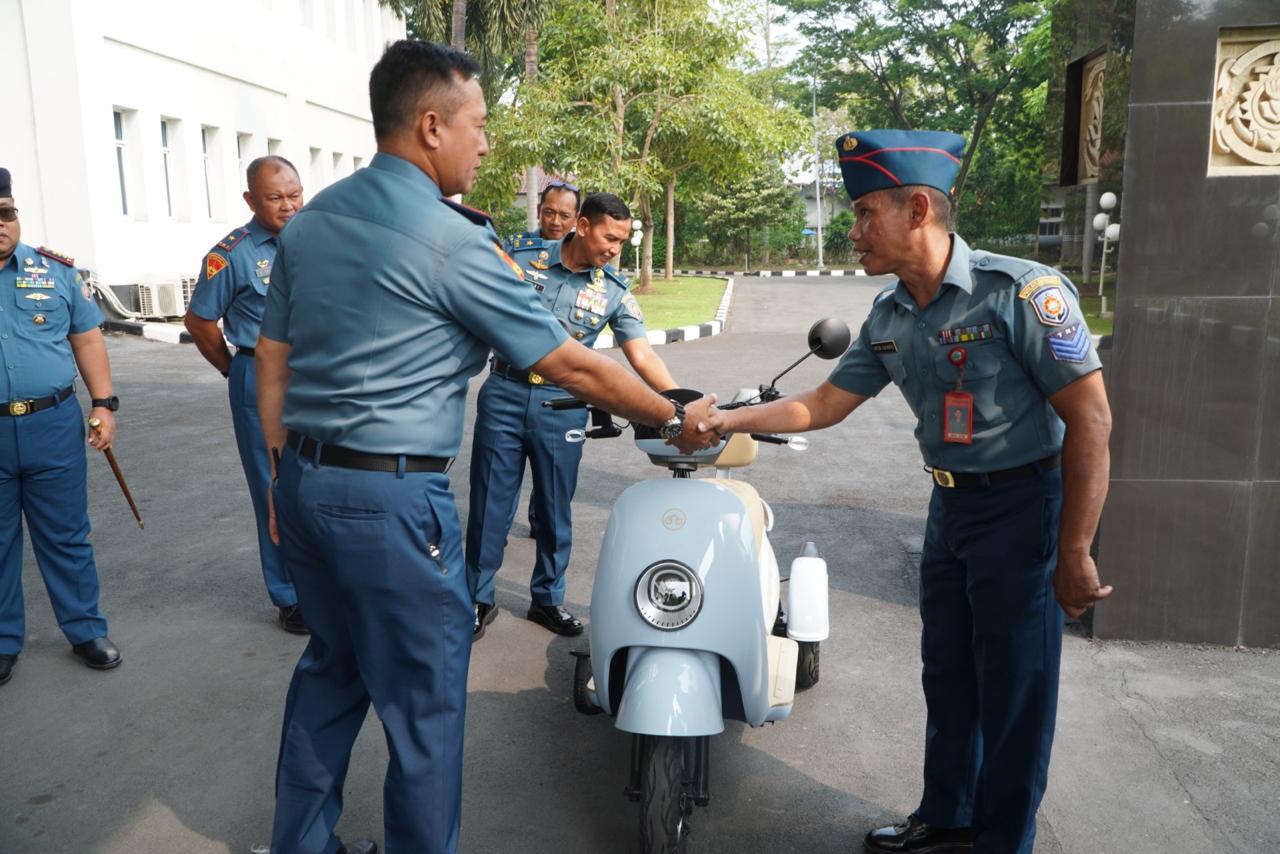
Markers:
point(45, 316)
point(983, 364)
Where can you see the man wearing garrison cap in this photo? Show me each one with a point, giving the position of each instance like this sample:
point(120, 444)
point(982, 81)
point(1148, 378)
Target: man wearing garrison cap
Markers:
point(993, 355)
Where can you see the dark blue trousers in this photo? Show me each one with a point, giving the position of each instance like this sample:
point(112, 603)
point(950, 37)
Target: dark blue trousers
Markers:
point(991, 647)
point(242, 389)
point(43, 477)
point(512, 428)
point(390, 624)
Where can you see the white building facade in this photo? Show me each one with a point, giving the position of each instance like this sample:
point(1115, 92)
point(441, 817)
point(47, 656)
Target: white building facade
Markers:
point(129, 124)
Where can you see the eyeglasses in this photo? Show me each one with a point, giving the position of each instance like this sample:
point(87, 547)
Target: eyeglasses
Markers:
point(8, 214)
point(557, 184)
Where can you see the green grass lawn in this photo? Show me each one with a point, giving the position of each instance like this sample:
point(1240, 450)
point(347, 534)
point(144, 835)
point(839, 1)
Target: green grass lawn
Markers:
point(1091, 304)
point(683, 302)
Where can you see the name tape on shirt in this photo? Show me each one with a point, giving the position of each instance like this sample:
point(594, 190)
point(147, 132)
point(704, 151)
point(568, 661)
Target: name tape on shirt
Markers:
point(884, 346)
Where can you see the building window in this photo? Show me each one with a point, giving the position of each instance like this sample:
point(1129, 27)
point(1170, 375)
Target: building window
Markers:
point(274, 146)
point(244, 154)
point(338, 171)
point(207, 135)
point(121, 172)
point(317, 169)
point(356, 163)
point(166, 161)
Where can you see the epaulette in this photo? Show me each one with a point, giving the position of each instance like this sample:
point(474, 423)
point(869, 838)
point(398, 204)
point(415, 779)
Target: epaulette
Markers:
point(1027, 277)
point(617, 277)
point(477, 216)
point(57, 256)
point(521, 242)
point(884, 295)
point(228, 243)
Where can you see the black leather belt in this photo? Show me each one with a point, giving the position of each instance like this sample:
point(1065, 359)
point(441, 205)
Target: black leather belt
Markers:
point(333, 455)
point(26, 407)
point(968, 480)
point(504, 369)
point(248, 351)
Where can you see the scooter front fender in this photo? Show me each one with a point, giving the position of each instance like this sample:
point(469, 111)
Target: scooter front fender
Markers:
point(671, 692)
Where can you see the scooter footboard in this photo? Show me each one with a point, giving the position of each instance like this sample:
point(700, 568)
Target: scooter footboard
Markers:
point(671, 692)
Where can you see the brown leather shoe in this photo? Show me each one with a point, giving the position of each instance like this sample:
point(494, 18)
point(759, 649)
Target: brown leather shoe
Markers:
point(913, 836)
point(555, 618)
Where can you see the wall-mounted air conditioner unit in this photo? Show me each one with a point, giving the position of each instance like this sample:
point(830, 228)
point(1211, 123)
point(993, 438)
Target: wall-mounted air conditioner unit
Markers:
point(161, 300)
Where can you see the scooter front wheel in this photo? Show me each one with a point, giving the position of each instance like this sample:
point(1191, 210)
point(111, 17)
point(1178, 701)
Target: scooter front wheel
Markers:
point(807, 665)
point(665, 801)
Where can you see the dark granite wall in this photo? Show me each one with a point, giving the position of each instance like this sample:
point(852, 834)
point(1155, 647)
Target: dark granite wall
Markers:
point(1191, 532)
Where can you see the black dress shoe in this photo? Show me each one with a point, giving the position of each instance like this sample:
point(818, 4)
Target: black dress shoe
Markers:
point(360, 846)
point(913, 836)
point(6, 667)
point(555, 618)
point(98, 653)
point(290, 620)
point(485, 614)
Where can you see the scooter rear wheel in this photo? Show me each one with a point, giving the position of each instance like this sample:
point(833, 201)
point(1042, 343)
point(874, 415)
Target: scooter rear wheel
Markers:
point(665, 802)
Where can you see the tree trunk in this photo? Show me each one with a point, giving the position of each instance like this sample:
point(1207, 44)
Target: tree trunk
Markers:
point(531, 174)
point(458, 38)
point(669, 273)
point(646, 248)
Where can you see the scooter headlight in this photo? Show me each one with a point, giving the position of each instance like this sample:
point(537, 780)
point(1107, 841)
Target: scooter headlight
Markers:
point(668, 595)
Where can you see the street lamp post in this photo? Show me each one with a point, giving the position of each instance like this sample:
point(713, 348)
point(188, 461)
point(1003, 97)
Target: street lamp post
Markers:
point(817, 168)
point(1110, 234)
point(637, 237)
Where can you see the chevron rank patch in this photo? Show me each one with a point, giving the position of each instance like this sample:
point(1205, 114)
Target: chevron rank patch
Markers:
point(1036, 284)
point(1050, 306)
point(214, 264)
point(1070, 344)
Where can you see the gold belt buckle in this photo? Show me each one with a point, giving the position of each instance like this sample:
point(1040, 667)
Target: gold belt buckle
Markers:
point(19, 407)
point(535, 379)
point(943, 478)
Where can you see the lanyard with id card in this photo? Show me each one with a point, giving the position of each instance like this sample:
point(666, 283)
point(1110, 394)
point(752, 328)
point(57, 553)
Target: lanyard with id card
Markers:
point(957, 406)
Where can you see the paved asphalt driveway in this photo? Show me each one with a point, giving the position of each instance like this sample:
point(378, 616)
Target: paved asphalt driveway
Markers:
point(1161, 748)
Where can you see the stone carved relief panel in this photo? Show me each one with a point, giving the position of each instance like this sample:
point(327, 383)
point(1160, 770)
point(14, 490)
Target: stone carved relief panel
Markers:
point(1246, 104)
point(1091, 89)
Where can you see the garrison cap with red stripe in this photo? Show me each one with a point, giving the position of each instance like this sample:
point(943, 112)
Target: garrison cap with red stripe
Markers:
point(873, 160)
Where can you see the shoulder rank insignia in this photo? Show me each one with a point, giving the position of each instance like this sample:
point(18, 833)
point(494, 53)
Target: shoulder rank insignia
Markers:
point(1036, 284)
point(229, 242)
point(479, 217)
point(509, 261)
point(214, 264)
point(1050, 306)
point(57, 256)
point(1070, 344)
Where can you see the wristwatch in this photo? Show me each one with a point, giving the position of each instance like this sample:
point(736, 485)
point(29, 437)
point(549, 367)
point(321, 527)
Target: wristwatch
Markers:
point(110, 404)
point(674, 425)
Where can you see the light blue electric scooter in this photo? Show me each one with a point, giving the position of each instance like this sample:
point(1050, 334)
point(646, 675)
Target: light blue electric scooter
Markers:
point(687, 629)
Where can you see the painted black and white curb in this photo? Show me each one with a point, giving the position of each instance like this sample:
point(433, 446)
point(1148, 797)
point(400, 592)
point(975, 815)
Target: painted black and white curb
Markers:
point(765, 274)
point(658, 337)
point(173, 333)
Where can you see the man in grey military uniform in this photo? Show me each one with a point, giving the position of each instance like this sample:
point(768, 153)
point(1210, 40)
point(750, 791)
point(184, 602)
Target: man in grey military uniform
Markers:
point(995, 359)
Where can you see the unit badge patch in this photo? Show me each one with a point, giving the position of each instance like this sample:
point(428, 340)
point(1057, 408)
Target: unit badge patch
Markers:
point(1070, 344)
point(507, 259)
point(1036, 284)
point(889, 346)
point(1050, 306)
point(633, 307)
point(214, 264)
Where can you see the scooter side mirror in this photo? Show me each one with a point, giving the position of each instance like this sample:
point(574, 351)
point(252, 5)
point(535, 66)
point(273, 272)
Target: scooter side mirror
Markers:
point(829, 338)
